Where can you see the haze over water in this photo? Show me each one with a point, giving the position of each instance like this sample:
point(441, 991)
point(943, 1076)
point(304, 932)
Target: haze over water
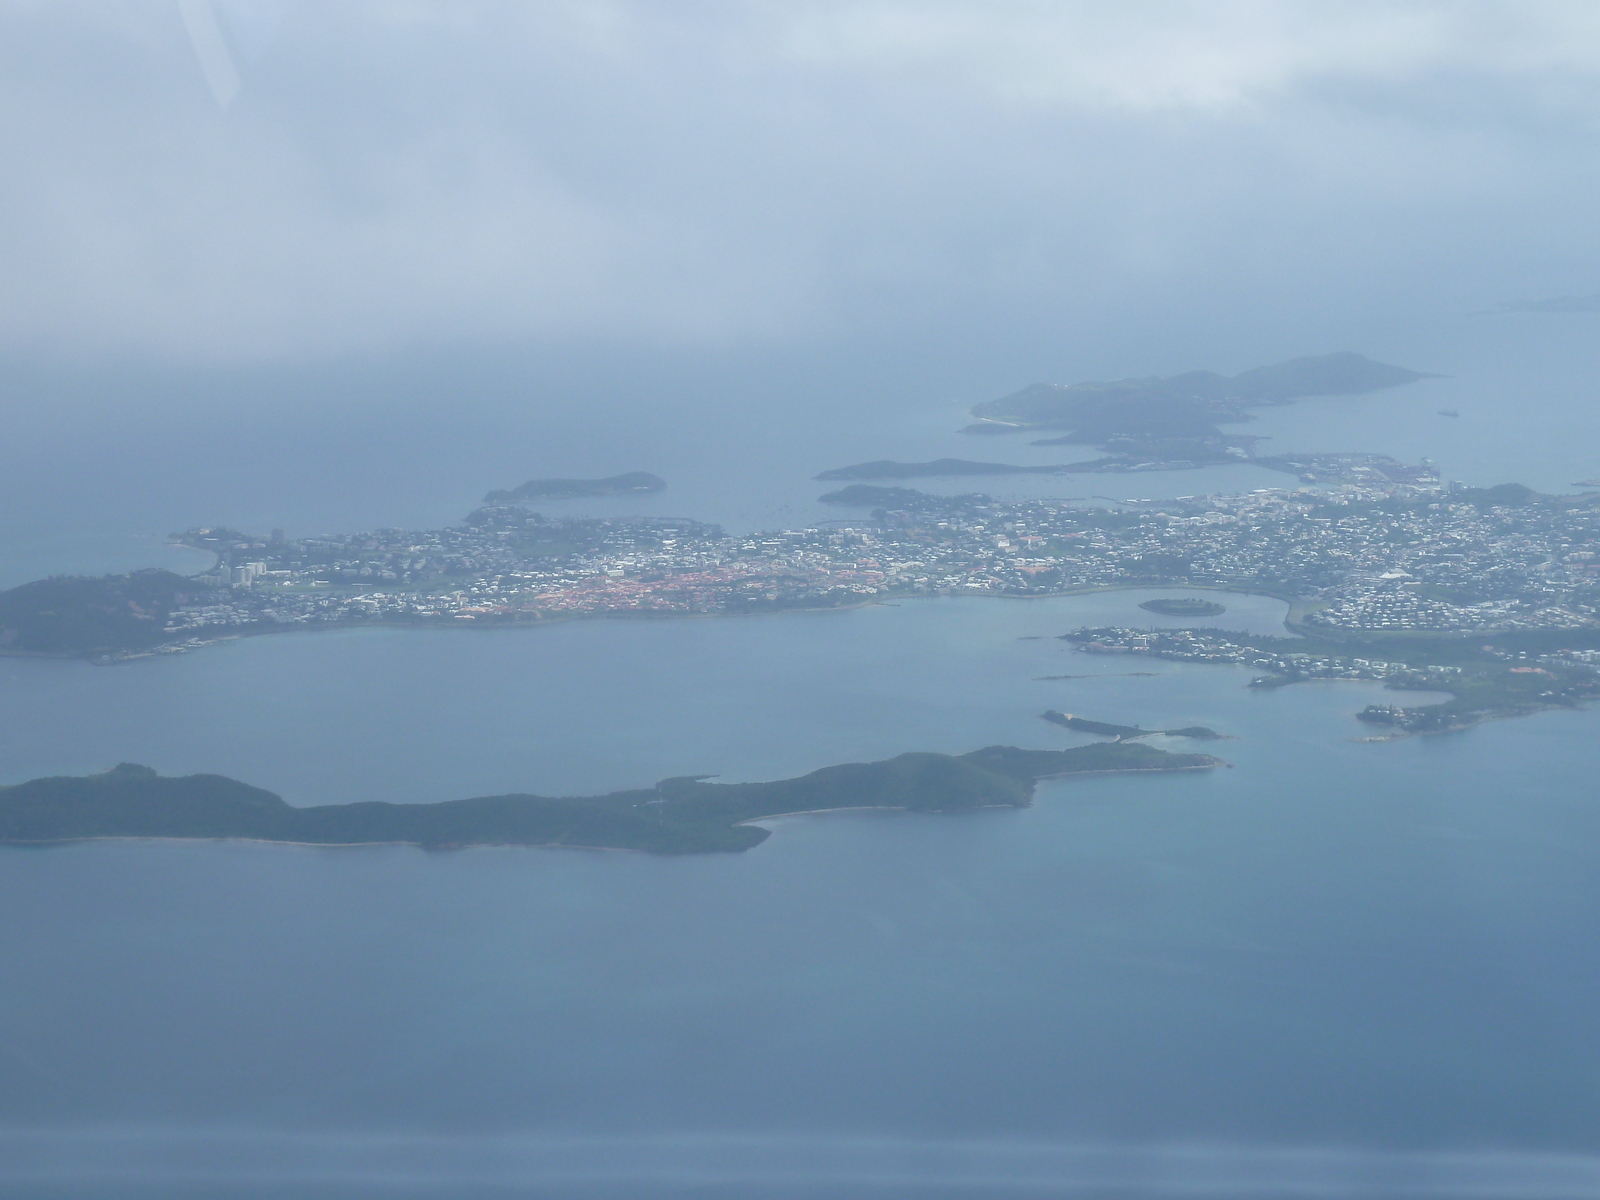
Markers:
point(108, 463)
point(1269, 955)
point(332, 268)
point(1383, 949)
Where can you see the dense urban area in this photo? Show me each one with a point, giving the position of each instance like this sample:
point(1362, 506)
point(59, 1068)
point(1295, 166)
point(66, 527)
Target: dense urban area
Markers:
point(1492, 595)
point(1360, 557)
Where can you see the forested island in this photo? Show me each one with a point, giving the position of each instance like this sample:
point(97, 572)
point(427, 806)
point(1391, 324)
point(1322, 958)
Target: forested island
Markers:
point(1171, 423)
point(1190, 403)
point(567, 489)
point(677, 816)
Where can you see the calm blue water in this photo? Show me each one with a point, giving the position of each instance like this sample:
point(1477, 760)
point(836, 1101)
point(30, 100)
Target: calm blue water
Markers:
point(1335, 968)
point(592, 706)
point(1392, 947)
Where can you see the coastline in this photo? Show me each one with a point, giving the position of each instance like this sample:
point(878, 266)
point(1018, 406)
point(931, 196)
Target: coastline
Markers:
point(1210, 766)
point(130, 802)
point(1401, 735)
point(752, 821)
point(1297, 608)
point(134, 837)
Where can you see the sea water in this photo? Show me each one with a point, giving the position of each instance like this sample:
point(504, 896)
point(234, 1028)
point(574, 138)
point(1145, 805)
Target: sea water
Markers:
point(1388, 949)
point(1332, 967)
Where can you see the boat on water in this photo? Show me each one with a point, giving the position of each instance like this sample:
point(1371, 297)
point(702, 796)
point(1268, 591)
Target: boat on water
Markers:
point(1448, 412)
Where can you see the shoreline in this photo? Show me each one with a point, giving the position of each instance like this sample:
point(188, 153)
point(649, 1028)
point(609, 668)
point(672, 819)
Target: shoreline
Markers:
point(1297, 609)
point(803, 812)
point(154, 837)
point(1401, 735)
point(1210, 766)
point(572, 845)
point(110, 659)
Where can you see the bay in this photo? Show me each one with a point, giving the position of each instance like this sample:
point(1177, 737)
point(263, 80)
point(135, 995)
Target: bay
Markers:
point(1333, 968)
point(589, 706)
point(1328, 962)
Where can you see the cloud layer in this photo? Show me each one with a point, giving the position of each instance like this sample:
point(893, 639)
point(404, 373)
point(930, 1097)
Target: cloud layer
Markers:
point(713, 173)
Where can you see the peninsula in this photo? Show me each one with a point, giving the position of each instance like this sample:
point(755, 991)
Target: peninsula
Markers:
point(567, 489)
point(677, 816)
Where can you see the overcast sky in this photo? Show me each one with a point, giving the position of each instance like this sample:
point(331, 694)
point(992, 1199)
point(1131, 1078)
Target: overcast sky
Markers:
point(360, 177)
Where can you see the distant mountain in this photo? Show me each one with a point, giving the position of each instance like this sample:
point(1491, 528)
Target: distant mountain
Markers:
point(566, 489)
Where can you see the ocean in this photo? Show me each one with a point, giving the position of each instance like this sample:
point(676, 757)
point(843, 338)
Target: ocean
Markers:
point(1333, 967)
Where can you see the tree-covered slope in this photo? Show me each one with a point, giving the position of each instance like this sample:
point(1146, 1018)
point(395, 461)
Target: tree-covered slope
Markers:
point(676, 816)
point(86, 614)
point(1188, 405)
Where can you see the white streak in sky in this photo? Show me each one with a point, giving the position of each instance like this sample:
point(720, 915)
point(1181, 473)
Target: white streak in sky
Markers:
point(642, 1165)
point(211, 49)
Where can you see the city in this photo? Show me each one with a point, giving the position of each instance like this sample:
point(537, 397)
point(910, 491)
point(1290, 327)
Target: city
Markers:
point(1358, 558)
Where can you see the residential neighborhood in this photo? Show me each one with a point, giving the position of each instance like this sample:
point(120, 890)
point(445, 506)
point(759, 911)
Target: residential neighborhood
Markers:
point(1356, 557)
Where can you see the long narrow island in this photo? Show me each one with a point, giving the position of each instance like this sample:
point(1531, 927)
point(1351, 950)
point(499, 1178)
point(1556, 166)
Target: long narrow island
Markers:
point(677, 816)
point(569, 489)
